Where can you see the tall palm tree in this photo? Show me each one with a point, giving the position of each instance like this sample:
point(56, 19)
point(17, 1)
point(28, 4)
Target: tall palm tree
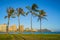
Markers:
point(10, 11)
point(19, 12)
point(41, 15)
point(32, 10)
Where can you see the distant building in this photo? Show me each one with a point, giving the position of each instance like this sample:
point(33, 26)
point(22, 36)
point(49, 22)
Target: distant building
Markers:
point(29, 30)
point(13, 28)
point(21, 28)
point(3, 28)
point(0, 28)
point(34, 30)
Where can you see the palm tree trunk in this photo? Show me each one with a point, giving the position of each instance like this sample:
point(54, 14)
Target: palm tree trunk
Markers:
point(31, 23)
point(40, 25)
point(7, 25)
point(19, 23)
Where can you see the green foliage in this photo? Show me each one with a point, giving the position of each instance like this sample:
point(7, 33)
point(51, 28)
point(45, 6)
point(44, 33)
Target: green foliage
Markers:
point(5, 17)
point(10, 11)
point(41, 15)
point(20, 12)
point(30, 36)
point(34, 7)
point(28, 7)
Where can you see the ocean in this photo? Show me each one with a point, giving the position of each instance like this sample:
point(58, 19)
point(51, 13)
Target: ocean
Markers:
point(31, 32)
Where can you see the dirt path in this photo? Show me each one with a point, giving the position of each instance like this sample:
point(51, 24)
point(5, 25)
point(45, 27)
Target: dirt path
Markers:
point(18, 37)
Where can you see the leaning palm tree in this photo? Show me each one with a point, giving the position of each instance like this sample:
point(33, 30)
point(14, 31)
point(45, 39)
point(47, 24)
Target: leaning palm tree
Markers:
point(19, 13)
point(9, 14)
point(41, 15)
point(32, 10)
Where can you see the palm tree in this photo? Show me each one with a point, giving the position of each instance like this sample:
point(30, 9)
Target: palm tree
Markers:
point(41, 15)
point(19, 12)
point(32, 10)
point(10, 11)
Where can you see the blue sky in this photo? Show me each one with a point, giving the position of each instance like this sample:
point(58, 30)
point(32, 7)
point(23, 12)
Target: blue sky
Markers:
point(51, 7)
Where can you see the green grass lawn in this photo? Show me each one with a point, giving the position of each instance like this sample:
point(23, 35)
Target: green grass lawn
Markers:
point(29, 36)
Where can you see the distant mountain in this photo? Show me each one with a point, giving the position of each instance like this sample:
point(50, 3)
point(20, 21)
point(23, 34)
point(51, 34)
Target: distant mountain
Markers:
point(44, 30)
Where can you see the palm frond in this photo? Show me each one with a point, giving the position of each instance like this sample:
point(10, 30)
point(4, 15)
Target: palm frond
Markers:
point(34, 6)
point(13, 16)
point(10, 10)
point(38, 19)
point(43, 12)
point(42, 15)
point(5, 17)
point(36, 10)
point(19, 10)
point(23, 14)
point(15, 13)
point(44, 18)
point(36, 14)
point(27, 13)
point(28, 7)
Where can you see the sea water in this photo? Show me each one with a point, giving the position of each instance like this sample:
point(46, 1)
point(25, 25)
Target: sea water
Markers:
point(31, 32)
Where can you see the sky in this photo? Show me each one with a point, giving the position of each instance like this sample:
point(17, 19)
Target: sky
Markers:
point(51, 7)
